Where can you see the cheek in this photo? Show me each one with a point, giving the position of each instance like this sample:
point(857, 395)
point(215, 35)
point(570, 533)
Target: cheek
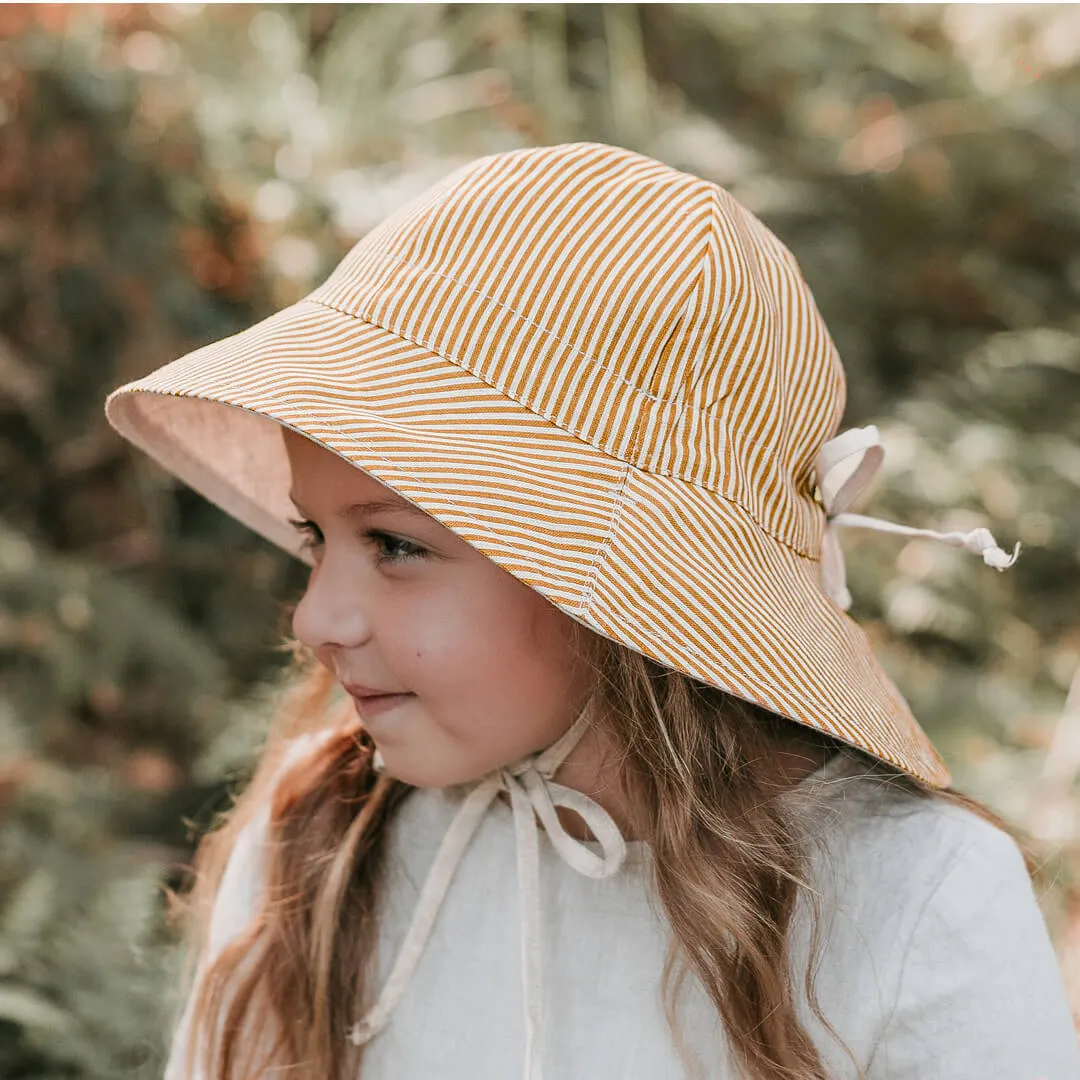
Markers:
point(501, 653)
point(432, 643)
point(523, 669)
point(541, 657)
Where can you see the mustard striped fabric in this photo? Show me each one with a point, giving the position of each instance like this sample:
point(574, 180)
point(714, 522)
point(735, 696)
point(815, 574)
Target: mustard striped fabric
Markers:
point(607, 376)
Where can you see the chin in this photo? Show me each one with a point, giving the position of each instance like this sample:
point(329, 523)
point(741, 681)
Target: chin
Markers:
point(431, 774)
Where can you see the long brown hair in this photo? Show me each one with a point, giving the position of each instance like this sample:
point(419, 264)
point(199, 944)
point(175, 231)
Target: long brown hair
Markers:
point(731, 860)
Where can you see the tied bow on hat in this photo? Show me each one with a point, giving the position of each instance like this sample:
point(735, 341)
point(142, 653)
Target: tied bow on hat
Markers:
point(845, 468)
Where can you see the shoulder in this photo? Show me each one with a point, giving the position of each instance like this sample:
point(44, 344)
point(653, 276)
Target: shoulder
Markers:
point(239, 892)
point(287, 754)
point(934, 918)
point(927, 867)
point(882, 836)
point(893, 871)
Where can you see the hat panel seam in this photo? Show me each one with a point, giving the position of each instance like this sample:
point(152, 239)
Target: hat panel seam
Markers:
point(756, 262)
point(618, 505)
point(322, 295)
point(684, 330)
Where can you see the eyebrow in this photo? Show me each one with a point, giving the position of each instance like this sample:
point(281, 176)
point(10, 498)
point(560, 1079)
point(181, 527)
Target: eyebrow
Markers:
point(366, 509)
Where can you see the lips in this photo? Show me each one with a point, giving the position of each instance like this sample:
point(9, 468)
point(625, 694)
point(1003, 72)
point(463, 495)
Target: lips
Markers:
point(361, 692)
point(370, 701)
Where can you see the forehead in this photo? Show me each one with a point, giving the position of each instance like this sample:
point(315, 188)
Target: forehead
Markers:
point(320, 473)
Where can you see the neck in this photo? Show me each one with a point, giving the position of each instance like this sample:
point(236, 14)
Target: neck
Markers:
point(591, 768)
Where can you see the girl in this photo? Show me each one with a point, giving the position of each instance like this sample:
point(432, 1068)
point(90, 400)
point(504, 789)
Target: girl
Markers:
point(619, 791)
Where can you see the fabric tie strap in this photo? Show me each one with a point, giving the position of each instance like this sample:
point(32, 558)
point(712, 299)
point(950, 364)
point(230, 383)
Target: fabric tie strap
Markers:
point(845, 468)
point(533, 795)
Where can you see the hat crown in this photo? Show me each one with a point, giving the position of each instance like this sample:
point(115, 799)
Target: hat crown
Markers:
point(637, 307)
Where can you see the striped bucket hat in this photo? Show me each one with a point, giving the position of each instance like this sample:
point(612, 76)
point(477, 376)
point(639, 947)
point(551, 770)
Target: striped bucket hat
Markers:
point(608, 377)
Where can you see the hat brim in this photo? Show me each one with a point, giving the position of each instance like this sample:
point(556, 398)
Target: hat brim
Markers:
point(675, 572)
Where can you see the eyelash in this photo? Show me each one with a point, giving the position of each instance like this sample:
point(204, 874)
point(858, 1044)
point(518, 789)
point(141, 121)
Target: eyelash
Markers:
point(406, 550)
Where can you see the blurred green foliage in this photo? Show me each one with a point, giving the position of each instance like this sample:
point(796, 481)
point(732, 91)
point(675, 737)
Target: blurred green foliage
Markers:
point(169, 174)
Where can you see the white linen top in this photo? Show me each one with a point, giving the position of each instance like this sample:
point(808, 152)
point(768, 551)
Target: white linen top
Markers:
point(937, 964)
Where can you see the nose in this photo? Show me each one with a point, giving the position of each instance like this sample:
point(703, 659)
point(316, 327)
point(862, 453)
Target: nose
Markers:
point(332, 613)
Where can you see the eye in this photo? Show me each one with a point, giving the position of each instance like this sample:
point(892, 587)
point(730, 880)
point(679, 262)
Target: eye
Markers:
point(393, 549)
point(311, 533)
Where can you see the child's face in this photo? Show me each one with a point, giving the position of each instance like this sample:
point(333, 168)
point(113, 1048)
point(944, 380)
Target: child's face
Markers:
point(398, 603)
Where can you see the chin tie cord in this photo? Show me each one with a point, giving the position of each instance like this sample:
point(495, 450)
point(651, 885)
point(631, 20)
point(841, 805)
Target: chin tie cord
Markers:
point(845, 468)
point(532, 794)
